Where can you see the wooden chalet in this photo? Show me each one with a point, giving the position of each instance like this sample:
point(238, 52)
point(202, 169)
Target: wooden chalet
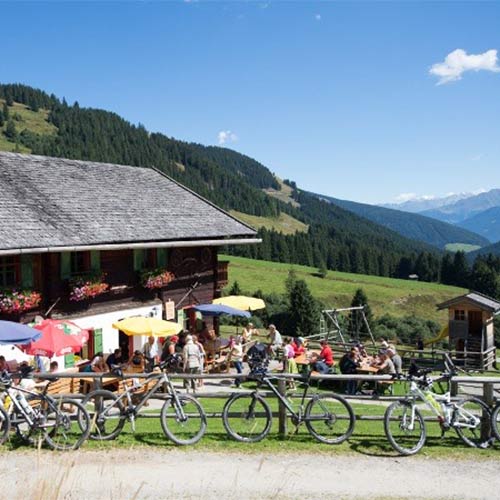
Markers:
point(96, 243)
point(471, 329)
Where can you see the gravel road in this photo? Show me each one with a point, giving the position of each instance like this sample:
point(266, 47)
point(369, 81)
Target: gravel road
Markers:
point(152, 474)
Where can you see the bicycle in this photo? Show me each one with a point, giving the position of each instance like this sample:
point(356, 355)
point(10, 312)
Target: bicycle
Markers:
point(182, 417)
point(62, 423)
point(404, 424)
point(247, 417)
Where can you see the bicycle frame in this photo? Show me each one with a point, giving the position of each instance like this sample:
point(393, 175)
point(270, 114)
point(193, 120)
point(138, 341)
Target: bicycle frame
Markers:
point(298, 416)
point(12, 393)
point(160, 380)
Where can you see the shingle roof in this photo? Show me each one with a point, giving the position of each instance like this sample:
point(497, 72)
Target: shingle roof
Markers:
point(476, 298)
point(53, 202)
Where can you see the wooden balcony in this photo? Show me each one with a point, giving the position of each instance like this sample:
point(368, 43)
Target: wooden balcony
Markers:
point(222, 274)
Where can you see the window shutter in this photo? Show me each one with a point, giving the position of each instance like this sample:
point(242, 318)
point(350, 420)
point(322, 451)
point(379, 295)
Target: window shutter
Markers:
point(95, 261)
point(69, 360)
point(65, 265)
point(97, 340)
point(27, 271)
point(161, 257)
point(138, 259)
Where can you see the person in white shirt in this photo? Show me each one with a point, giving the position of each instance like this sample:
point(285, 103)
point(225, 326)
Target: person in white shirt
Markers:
point(151, 352)
point(192, 360)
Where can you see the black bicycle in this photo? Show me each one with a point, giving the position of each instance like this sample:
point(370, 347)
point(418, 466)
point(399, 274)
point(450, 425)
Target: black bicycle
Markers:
point(182, 417)
point(247, 417)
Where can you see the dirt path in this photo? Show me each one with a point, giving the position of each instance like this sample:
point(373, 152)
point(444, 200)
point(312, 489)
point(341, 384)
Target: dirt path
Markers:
point(153, 474)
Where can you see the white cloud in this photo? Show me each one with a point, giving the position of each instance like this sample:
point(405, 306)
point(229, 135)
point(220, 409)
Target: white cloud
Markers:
point(476, 157)
point(458, 62)
point(225, 136)
point(317, 17)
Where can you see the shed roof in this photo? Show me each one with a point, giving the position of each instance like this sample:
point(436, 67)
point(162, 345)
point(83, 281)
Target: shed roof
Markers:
point(46, 203)
point(474, 298)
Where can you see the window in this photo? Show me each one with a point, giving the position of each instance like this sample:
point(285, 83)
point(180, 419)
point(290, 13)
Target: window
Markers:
point(9, 271)
point(80, 262)
point(459, 315)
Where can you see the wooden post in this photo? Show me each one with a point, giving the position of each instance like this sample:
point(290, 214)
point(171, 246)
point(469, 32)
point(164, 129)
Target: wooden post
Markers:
point(282, 431)
point(489, 399)
point(453, 388)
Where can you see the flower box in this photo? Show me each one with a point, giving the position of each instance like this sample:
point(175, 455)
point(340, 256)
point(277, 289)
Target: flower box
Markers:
point(86, 287)
point(156, 278)
point(13, 301)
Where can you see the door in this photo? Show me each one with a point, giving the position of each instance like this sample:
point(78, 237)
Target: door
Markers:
point(475, 323)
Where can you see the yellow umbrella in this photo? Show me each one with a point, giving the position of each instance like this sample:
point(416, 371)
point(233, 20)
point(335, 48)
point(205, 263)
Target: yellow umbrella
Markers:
point(139, 325)
point(241, 302)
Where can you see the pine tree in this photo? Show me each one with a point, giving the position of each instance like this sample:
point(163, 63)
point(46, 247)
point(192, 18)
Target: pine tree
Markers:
point(5, 111)
point(10, 131)
point(304, 310)
point(360, 299)
point(290, 281)
point(485, 280)
point(460, 270)
point(235, 289)
point(2, 121)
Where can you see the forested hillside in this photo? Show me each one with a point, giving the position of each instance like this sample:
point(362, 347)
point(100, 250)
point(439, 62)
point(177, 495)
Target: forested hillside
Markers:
point(415, 226)
point(335, 238)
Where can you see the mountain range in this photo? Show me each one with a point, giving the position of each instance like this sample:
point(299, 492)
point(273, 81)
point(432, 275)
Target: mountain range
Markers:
point(415, 226)
point(336, 234)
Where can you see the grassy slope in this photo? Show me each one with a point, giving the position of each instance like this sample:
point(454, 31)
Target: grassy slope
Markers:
point(26, 119)
point(284, 223)
point(464, 247)
point(386, 295)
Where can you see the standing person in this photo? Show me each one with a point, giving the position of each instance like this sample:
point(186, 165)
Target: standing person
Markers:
point(396, 359)
point(275, 339)
point(236, 356)
point(248, 332)
point(202, 358)
point(151, 352)
point(191, 356)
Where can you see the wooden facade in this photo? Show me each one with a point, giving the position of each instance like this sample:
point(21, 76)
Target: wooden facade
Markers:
point(471, 329)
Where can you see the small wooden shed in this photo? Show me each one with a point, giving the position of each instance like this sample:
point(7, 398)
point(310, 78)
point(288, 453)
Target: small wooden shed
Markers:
point(471, 330)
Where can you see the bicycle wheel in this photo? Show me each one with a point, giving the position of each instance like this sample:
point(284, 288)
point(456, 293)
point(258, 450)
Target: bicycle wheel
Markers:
point(183, 423)
point(247, 418)
point(69, 424)
point(471, 420)
point(4, 425)
point(329, 418)
point(404, 427)
point(495, 421)
point(107, 415)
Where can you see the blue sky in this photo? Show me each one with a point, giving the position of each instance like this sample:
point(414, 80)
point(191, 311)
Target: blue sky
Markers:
point(336, 96)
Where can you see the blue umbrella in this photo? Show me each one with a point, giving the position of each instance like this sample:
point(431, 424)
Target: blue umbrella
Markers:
point(17, 333)
point(219, 309)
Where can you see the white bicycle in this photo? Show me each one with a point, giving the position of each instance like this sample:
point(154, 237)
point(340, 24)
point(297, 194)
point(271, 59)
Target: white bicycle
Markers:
point(405, 426)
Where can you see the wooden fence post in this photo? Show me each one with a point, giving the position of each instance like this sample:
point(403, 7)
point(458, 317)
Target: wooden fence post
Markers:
point(489, 399)
point(282, 410)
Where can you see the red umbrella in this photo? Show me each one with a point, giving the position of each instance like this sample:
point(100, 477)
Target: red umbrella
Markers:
point(58, 337)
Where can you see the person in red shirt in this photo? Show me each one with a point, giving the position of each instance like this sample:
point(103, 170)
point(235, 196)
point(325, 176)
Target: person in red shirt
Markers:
point(325, 358)
point(298, 346)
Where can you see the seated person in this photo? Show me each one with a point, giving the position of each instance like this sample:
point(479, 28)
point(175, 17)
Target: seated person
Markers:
point(137, 362)
point(115, 359)
point(54, 367)
point(385, 365)
point(349, 366)
point(298, 346)
point(97, 364)
point(324, 361)
point(4, 367)
point(396, 360)
point(249, 331)
point(362, 351)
